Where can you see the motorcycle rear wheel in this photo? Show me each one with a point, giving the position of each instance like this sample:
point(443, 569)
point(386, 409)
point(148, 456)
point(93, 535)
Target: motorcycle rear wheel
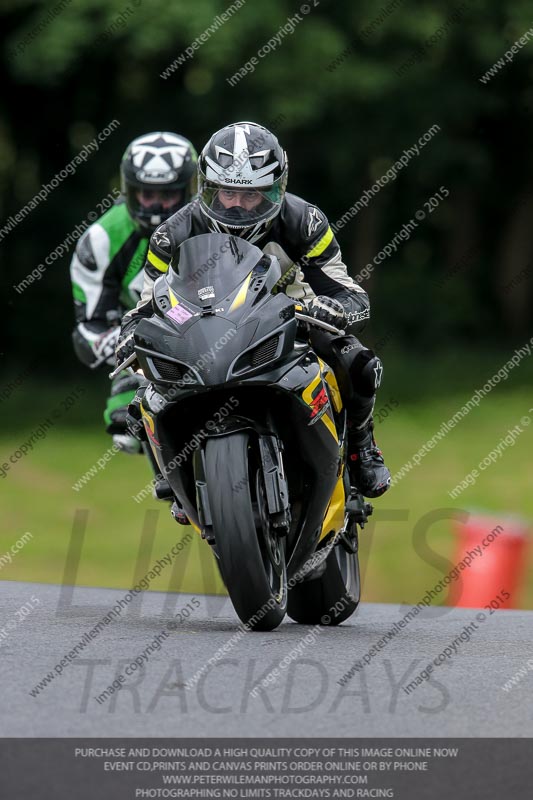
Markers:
point(332, 596)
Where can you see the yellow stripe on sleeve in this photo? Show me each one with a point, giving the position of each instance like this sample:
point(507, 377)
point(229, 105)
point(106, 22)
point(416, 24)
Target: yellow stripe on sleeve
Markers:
point(321, 245)
point(156, 262)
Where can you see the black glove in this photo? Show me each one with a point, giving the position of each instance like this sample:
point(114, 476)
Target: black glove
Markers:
point(329, 310)
point(125, 348)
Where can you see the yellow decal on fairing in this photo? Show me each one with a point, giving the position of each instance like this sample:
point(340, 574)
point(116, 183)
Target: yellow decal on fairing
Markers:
point(241, 294)
point(334, 519)
point(149, 426)
point(331, 380)
point(173, 299)
point(148, 418)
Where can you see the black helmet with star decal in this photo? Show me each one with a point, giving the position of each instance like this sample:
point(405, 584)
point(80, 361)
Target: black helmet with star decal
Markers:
point(158, 173)
point(242, 177)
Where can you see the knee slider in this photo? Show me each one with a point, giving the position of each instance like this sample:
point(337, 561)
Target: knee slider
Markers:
point(340, 353)
point(366, 371)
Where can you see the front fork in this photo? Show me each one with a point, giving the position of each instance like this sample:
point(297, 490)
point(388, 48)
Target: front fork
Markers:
point(277, 490)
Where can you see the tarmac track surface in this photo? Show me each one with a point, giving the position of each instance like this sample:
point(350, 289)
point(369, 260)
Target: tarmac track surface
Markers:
point(462, 697)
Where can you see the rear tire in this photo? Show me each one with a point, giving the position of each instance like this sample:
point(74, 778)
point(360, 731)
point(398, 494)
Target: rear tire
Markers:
point(252, 556)
point(330, 598)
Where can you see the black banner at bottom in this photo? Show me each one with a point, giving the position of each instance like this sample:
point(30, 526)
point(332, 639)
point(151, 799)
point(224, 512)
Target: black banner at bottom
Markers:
point(125, 769)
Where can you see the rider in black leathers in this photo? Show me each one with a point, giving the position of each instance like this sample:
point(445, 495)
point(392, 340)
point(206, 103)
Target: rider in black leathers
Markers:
point(242, 176)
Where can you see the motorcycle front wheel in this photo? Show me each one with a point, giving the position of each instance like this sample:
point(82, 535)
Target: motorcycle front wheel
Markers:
point(251, 554)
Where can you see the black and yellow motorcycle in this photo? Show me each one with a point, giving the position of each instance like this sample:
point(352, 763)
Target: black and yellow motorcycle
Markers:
point(248, 427)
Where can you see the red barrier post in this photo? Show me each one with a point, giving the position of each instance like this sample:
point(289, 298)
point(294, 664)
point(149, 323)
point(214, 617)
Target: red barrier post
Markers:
point(495, 549)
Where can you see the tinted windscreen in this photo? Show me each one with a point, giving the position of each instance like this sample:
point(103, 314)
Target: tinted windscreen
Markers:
point(214, 260)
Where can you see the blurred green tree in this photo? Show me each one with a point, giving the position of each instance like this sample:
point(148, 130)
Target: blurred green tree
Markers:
point(348, 88)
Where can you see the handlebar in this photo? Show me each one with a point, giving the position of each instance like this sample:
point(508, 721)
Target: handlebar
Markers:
point(124, 365)
point(319, 324)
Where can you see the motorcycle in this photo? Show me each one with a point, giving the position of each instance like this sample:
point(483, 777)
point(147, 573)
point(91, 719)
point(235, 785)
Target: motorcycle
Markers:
point(247, 425)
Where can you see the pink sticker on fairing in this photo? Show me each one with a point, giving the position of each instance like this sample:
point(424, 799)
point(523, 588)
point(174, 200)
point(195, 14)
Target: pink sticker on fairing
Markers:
point(179, 314)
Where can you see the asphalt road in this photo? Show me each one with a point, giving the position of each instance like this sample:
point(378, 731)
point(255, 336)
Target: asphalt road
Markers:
point(463, 697)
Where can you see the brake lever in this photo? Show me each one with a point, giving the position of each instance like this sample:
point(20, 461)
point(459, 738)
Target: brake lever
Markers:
point(319, 324)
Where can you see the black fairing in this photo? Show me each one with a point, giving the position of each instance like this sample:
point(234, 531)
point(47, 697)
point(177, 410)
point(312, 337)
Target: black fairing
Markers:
point(214, 307)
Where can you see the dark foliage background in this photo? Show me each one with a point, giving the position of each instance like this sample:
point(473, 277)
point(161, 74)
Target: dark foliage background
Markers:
point(66, 78)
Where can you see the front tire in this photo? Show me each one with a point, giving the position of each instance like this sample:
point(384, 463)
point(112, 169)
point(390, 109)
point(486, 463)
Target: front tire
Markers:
point(251, 554)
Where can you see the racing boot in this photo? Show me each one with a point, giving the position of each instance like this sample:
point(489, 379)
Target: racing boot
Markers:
point(366, 466)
